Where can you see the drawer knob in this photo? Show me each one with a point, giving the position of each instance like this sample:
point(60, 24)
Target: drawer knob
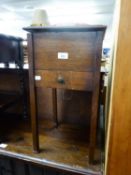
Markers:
point(60, 79)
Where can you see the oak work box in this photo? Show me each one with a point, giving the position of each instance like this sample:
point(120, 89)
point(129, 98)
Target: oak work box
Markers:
point(66, 58)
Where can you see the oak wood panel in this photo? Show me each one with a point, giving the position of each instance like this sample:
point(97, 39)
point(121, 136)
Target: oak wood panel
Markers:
point(72, 80)
point(71, 106)
point(48, 44)
point(82, 81)
point(119, 156)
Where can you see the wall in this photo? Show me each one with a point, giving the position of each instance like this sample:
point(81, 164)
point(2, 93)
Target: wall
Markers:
point(14, 15)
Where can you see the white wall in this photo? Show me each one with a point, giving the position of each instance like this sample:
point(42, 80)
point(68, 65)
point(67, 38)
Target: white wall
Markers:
point(60, 14)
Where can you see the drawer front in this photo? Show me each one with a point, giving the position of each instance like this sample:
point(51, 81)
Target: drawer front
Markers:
point(82, 80)
point(65, 50)
point(52, 79)
point(64, 79)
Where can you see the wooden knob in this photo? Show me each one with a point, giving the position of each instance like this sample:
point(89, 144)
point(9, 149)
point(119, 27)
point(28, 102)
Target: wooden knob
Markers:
point(60, 79)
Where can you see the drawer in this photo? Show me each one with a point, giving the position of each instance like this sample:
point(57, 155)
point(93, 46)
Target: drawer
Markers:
point(64, 79)
point(65, 50)
point(52, 79)
point(82, 80)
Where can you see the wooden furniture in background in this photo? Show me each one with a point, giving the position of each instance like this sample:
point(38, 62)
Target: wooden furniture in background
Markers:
point(65, 58)
point(12, 90)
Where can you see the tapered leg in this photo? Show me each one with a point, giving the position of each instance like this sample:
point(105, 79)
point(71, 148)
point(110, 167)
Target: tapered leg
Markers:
point(94, 117)
point(54, 99)
point(93, 125)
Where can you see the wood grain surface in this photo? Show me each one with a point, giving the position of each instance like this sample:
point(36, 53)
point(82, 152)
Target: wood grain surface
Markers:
point(119, 156)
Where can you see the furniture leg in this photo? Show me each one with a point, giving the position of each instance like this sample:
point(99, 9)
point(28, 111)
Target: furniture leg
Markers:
point(93, 127)
point(33, 105)
point(54, 99)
